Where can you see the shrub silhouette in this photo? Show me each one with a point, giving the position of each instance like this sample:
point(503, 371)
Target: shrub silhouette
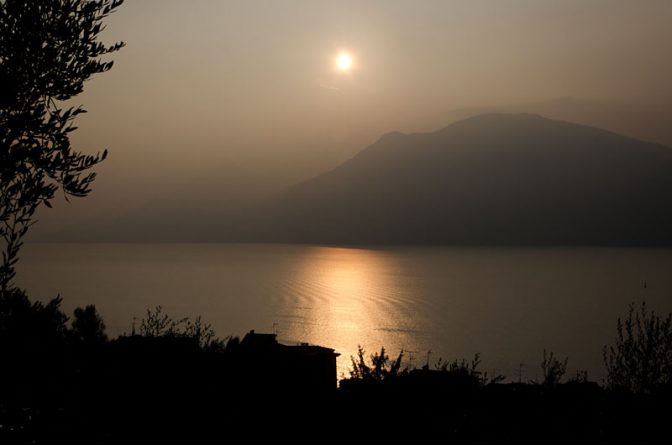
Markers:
point(466, 369)
point(641, 358)
point(553, 370)
point(158, 324)
point(381, 368)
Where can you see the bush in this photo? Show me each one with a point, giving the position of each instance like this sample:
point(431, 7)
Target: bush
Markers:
point(158, 324)
point(381, 369)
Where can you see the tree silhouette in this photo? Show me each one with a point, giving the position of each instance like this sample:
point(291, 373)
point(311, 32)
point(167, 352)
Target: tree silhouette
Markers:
point(88, 326)
point(553, 369)
point(641, 358)
point(48, 49)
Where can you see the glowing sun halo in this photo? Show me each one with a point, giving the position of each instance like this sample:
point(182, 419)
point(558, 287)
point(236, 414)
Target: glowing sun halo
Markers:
point(344, 62)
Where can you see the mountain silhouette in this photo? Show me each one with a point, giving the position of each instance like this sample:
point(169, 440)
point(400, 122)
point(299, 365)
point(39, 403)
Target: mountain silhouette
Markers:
point(493, 179)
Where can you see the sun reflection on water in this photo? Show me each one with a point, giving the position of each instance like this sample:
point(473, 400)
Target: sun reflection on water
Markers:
point(342, 298)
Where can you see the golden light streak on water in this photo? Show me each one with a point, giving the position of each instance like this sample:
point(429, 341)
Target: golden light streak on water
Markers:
point(358, 304)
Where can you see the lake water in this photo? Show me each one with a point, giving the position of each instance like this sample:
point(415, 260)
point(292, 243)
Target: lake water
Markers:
point(506, 303)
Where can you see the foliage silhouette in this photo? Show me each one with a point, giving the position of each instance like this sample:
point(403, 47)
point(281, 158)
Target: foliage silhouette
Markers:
point(553, 370)
point(581, 376)
point(158, 324)
point(381, 368)
point(468, 369)
point(88, 326)
point(30, 325)
point(640, 360)
point(48, 49)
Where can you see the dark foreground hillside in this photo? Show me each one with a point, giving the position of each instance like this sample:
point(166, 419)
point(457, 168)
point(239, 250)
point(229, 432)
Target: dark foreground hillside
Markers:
point(185, 396)
point(172, 382)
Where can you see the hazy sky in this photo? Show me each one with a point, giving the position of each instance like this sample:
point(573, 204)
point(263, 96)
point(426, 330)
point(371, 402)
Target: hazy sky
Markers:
point(219, 92)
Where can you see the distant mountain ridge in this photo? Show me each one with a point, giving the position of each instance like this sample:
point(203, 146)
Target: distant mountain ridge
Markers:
point(493, 179)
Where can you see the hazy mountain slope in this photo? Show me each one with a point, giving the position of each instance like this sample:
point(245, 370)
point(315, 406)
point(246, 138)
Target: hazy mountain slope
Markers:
point(490, 179)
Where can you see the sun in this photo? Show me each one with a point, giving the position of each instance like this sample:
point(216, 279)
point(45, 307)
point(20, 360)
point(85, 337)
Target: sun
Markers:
point(344, 61)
